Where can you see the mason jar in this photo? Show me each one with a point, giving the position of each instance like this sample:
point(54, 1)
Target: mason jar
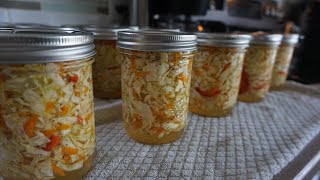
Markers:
point(283, 60)
point(216, 73)
point(47, 128)
point(156, 76)
point(107, 65)
point(258, 65)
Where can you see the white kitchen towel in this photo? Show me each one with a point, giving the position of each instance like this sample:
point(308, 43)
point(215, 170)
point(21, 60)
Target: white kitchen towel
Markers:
point(255, 142)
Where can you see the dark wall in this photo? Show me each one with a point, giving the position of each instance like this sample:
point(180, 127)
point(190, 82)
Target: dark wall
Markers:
point(308, 66)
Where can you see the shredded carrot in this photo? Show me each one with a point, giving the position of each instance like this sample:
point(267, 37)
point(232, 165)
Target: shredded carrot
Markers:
point(158, 130)
point(54, 142)
point(183, 78)
point(79, 119)
point(141, 74)
point(74, 78)
point(227, 66)
point(169, 105)
point(64, 110)
point(134, 93)
point(69, 150)
point(209, 93)
point(24, 113)
point(160, 116)
point(50, 106)
point(67, 158)
point(137, 123)
point(63, 126)
point(26, 160)
point(197, 72)
point(29, 125)
point(49, 132)
point(205, 66)
point(88, 117)
point(281, 73)
point(76, 93)
point(132, 63)
point(56, 170)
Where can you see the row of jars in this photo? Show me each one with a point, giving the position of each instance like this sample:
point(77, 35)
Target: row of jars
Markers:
point(46, 92)
point(164, 75)
point(264, 65)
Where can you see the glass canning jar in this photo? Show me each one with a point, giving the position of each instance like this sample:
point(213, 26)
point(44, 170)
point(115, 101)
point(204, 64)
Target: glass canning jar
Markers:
point(47, 128)
point(156, 76)
point(216, 73)
point(258, 65)
point(107, 65)
point(283, 60)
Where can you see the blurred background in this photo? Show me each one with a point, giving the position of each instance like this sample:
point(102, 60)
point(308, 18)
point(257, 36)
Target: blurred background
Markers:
point(275, 16)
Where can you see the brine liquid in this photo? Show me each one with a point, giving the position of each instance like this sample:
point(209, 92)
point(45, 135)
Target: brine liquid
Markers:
point(211, 112)
point(250, 98)
point(153, 139)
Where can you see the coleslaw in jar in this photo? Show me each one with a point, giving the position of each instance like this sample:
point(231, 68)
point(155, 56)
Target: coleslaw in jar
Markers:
point(216, 73)
point(107, 65)
point(283, 60)
point(47, 126)
point(258, 64)
point(156, 76)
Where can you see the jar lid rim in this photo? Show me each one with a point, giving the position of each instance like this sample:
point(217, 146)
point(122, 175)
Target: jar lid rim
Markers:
point(157, 40)
point(44, 45)
point(224, 39)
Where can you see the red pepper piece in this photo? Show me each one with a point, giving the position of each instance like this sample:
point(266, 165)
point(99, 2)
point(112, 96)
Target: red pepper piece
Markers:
point(73, 78)
point(79, 119)
point(54, 142)
point(260, 86)
point(208, 93)
point(244, 84)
